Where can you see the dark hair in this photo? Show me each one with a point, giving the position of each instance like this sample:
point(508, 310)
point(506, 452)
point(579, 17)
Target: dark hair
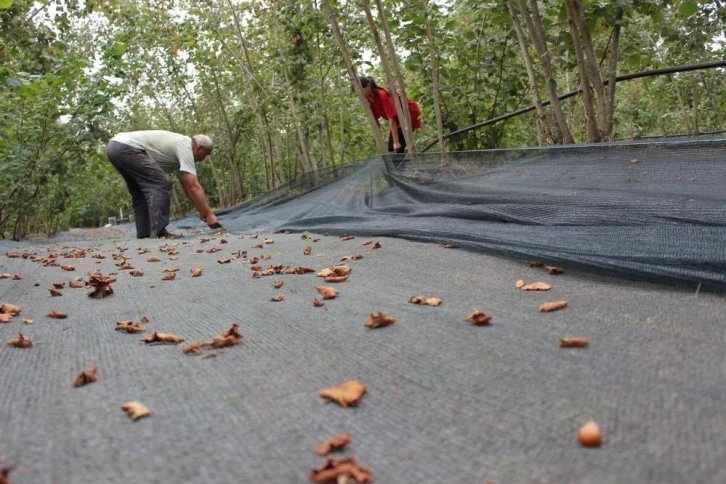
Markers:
point(366, 81)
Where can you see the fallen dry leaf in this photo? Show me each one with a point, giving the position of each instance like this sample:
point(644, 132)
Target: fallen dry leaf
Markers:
point(229, 337)
point(55, 292)
point(535, 263)
point(336, 278)
point(171, 269)
point(5, 318)
point(316, 239)
point(450, 246)
point(208, 355)
point(350, 257)
point(520, 283)
point(137, 273)
point(318, 303)
point(327, 292)
point(20, 342)
point(269, 241)
point(68, 267)
point(78, 284)
point(168, 276)
point(224, 261)
point(425, 301)
point(10, 309)
point(307, 250)
point(341, 471)
point(303, 270)
point(367, 242)
point(59, 285)
point(85, 377)
point(478, 318)
point(135, 410)
point(129, 327)
point(28, 321)
point(165, 338)
point(536, 286)
point(574, 342)
point(193, 347)
point(153, 258)
point(101, 286)
point(212, 250)
point(555, 270)
point(278, 298)
point(54, 313)
point(347, 394)
point(377, 245)
point(379, 319)
point(336, 442)
point(347, 237)
point(196, 272)
point(589, 435)
point(552, 306)
point(277, 284)
point(258, 246)
point(125, 267)
point(4, 473)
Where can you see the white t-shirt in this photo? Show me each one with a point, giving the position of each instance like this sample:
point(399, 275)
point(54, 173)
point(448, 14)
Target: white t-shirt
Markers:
point(171, 151)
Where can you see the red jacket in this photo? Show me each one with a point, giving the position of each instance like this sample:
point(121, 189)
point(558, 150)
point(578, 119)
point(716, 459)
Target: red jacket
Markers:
point(383, 107)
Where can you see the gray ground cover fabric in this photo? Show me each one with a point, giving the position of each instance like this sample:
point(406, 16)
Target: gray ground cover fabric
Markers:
point(646, 210)
point(447, 402)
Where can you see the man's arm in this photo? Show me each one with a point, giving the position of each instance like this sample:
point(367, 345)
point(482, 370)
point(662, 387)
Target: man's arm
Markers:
point(195, 193)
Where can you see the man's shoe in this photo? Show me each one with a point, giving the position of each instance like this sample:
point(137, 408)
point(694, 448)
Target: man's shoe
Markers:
point(168, 235)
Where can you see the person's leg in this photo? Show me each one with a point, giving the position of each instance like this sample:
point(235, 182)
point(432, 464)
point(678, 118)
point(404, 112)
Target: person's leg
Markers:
point(154, 185)
point(399, 156)
point(117, 154)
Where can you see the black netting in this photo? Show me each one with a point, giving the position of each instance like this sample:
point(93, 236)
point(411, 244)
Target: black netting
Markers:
point(643, 209)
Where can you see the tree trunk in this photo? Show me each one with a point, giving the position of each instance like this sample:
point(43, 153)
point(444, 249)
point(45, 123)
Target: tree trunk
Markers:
point(380, 144)
point(324, 109)
point(593, 133)
point(612, 74)
point(435, 74)
point(542, 123)
point(534, 24)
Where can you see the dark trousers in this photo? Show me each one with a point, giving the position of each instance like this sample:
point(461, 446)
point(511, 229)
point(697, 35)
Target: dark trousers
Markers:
point(149, 186)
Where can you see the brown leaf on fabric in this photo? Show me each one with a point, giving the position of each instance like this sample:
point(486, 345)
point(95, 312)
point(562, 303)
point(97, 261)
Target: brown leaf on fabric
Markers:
point(153, 258)
point(535, 263)
point(144, 319)
point(336, 442)
point(350, 257)
point(55, 292)
point(68, 267)
point(204, 241)
point(76, 284)
point(341, 471)
point(589, 435)
point(171, 269)
point(10, 309)
point(142, 250)
point(199, 251)
point(212, 250)
point(196, 272)
point(552, 306)
point(129, 327)
point(347, 394)
point(254, 260)
point(277, 284)
point(555, 270)
point(520, 283)
point(425, 301)
point(135, 410)
point(347, 237)
point(54, 313)
point(17, 277)
point(193, 347)
point(377, 245)
point(336, 279)
point(20, 342)
point(224, 261)
point(5, 318)
point(303, 270)
point(265, 257)
point(126, 267)
point(379, 319)
point(307, 250)
point(4, 473)
point(165, 338)
point(208, 355)
point(278, 298)
point(536, 286)
point(101, 286)
point(574, 342)
point(316, 239)
point(229, 337)
point(137, 273)
point(28, 321)
point(327, 292)
point(85, 377)
point(367, 242)
point(254, 236)
point(450, 246)
point(478, 318)
point(318, 303)
point(339, 270)
point(269, 241)
point(222, 241)
point(59, 285)
point(258, 246)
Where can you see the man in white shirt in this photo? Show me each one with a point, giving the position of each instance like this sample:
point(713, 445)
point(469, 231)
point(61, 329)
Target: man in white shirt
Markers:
point(146, 159)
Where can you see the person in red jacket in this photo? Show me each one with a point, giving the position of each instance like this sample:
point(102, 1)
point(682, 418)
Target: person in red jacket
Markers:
point(382, 105)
